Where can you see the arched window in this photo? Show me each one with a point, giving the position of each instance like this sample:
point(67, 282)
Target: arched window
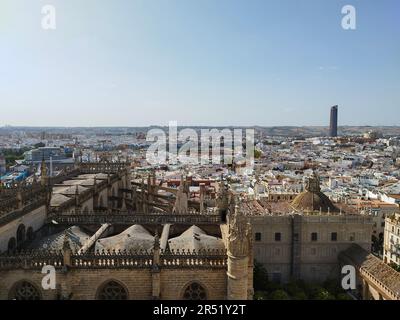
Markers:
point(20, 235)
point(112, 290)
point(12, 245)
point(194, 291)
point(24, 290)
point(29, 234)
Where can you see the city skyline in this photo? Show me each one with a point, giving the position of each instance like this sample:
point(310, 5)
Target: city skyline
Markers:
point(212, 63)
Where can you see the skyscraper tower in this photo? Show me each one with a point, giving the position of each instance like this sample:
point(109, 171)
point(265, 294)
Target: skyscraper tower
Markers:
point(333, 125)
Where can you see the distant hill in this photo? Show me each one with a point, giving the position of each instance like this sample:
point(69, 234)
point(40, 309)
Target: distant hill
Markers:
point(283, 131)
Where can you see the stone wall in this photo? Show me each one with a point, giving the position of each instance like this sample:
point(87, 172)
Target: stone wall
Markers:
point(34, 219)
point(318, 259)
point(84, 284)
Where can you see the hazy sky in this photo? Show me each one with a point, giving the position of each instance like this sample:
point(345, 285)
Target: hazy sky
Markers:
point(203, 62)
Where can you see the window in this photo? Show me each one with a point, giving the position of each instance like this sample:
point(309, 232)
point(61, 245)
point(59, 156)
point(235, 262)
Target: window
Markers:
point(277, 236)
point(334, 236)
point(314, 236)
point(352, 236)
point(313, 251)
point(112, 290)
point(258, 236)
point(194, 291)
point(24, 290)
point(296, 237)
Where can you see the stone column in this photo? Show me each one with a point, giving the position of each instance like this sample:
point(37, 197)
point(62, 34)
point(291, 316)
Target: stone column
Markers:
point(237, 277)
point(155, 270)
point(365, 294)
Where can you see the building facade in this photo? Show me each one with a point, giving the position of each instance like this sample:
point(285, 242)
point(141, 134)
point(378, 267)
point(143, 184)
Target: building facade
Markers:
point(391, 244)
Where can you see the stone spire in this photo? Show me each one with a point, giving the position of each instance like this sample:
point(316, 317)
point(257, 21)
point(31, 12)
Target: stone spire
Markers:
point(181, 201)
point(43, 172)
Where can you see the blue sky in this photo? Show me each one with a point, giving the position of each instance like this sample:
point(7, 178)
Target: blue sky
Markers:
point(203, 62)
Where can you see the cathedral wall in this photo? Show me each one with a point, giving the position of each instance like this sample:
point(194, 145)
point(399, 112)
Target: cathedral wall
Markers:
point(174, 282)
point(85, 283)
point(10, 278)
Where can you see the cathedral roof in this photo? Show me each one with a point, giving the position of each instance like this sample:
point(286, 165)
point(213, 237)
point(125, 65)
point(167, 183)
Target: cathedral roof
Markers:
point(135, 237)
point(196, 239)
point(75, 236)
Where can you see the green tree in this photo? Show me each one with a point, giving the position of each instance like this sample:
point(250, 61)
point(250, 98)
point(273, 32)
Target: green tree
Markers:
point(295, 290)
point(299, 295)
point(323, 294)
point(260, 277)
point(332, 286)
point(279, 295)
point(343, 296)
point(261, 295)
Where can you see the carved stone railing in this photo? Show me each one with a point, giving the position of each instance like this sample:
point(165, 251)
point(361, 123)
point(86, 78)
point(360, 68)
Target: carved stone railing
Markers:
point(132, 259)
point(194, 259)
point(135, 218)
point(31, 260)
point(112, 260)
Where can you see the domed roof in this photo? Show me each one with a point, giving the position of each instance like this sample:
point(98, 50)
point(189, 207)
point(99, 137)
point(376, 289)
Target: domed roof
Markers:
point(196, 239)
point(313, 199)
point(135, 237)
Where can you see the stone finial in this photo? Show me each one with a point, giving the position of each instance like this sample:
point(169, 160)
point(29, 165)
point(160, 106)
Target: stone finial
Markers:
point(67, 251)
point(43, 172)
point(181, 202)
point(156, 241)
point(202, 197)
point(20, 201)
point(313, 184)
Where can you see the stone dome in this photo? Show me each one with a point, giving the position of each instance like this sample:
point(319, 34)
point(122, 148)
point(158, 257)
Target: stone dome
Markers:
point(313, 199)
